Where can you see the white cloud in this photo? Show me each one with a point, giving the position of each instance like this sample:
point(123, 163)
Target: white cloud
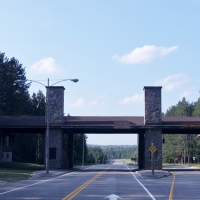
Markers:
point(137, 98)
point(97, 102)
point(186, 93)
point(93, 103)
point(145, 54)
point(172, 82)
point(78, 103)
point(45, 66)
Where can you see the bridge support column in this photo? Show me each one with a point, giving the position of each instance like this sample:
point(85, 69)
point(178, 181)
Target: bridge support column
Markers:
point(57, 154)
point(156, 136)
point(70, 147)
point(153, 118)
point(141, 153)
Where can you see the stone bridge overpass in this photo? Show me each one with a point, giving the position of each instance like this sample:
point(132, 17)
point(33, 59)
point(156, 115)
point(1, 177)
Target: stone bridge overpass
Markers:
point(149, 127)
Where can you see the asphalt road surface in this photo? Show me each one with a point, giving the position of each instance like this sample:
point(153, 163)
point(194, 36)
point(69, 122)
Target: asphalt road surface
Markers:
point(111, 181)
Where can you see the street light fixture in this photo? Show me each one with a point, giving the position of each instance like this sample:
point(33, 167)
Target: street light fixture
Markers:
point(47, 116)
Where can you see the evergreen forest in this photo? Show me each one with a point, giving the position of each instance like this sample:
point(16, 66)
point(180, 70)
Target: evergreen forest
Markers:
point(182, 148)
point(101, 153)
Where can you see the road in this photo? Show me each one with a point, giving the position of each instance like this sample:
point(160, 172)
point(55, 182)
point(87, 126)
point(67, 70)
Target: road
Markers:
point(101, 181)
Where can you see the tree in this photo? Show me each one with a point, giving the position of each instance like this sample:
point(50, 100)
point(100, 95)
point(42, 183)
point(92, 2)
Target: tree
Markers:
point(184, 145)
point(14, 95)
point(183, 108)
point(29, 148)
point(38, 104)
point(119, 151)
point(96, 155)
point(78, 148)
point(15, 100)
point(196, 111)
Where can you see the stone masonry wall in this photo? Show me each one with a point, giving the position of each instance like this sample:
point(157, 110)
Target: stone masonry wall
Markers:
point(55, 96)
point(156, 136)
point(153, 116)
point(153, 113)
point(56, 141)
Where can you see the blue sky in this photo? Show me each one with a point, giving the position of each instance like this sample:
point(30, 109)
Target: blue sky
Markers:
point(114, 48)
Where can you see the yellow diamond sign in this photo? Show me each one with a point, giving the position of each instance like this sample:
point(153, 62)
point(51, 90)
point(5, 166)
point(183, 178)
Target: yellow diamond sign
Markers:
point(152, 149)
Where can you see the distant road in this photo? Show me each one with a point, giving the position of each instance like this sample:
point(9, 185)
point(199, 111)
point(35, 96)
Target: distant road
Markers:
point(101, 181)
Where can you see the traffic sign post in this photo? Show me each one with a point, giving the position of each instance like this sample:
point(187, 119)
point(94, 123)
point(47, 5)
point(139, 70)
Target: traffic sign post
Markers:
point(152, 149)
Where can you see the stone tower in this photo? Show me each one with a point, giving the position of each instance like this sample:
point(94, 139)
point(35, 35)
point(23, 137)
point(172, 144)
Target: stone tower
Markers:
point(153, 116)
point(57, 154)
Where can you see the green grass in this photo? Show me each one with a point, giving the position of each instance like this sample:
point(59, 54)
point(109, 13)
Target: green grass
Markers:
point(195, 165)
point(10, 172)
point(172, 164)
point(169, 164)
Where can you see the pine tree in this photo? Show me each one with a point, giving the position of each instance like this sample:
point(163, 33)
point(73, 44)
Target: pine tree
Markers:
point(38, 104)
point(14, 95)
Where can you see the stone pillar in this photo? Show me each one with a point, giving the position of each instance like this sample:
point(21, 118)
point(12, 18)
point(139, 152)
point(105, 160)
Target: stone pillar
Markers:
point(57, 159)
point(70, 144)
point(153, 116)
point(152, 100)
point(156, 136)
point(55, 96)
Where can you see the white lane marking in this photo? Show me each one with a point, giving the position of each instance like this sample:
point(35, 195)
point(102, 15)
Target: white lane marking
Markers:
point(142, 185)
point(112, 197)
point(39, 182)
point(34, 184)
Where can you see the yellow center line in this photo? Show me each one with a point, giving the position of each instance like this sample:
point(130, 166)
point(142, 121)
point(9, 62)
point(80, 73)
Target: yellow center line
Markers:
point(172, 187)
point(82, 187)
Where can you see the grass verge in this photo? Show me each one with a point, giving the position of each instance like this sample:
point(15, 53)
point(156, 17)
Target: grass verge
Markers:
point(10, 172)
point(172, 164)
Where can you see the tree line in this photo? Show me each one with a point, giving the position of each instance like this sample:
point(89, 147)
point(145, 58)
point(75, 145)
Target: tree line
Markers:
point(120, 151)
point(101, 153)
point(182, 148)
point(96, 155)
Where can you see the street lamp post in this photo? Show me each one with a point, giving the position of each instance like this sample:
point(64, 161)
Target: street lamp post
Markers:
point(83, 150)
point(47, 117)
point(47, 131)
point(152, 159)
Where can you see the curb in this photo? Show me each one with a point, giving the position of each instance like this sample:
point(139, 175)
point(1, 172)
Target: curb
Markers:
point(43, 174)
point(36, 175)
point(153, 176)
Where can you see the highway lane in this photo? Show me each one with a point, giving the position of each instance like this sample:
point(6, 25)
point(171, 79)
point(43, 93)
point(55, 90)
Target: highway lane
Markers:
point(120, 181)
point(100, 181)
point(187, 185)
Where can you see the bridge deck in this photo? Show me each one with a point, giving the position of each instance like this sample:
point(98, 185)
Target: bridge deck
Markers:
point(98, 124)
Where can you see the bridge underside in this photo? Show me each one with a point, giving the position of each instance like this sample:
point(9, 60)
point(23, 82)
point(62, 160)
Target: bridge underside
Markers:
point(82, 124)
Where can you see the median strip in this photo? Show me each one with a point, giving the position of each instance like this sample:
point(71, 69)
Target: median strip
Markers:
point(82, 187)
